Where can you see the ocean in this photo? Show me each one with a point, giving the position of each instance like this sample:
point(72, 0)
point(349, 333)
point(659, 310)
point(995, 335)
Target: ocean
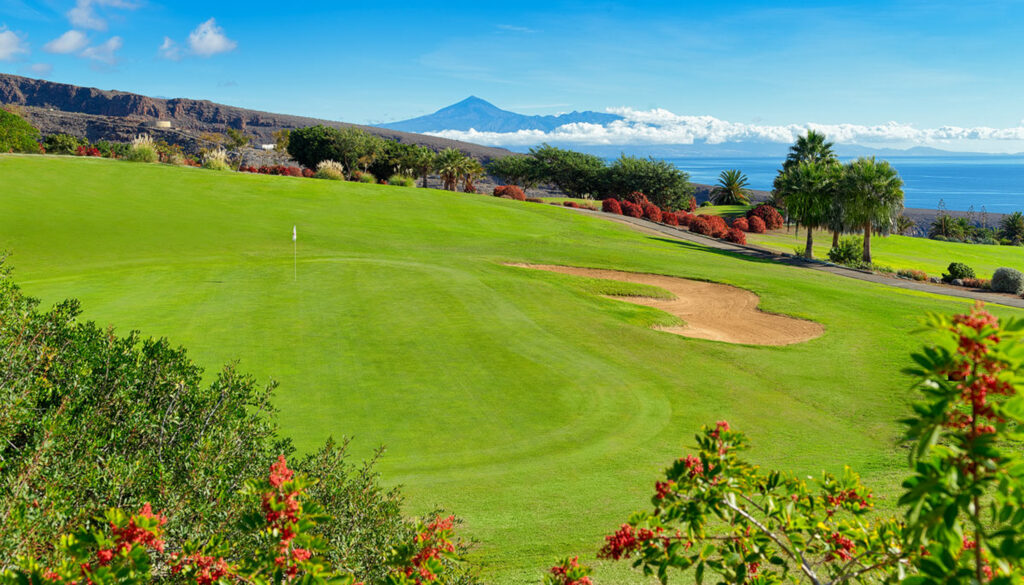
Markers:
point(960, 182)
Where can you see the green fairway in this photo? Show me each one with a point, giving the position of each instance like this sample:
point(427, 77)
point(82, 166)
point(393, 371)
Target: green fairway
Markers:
point(521, 400)
point(932, 256)
point(726, 211)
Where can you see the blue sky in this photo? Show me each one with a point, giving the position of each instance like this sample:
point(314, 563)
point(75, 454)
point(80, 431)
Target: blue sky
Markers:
point(926, 64)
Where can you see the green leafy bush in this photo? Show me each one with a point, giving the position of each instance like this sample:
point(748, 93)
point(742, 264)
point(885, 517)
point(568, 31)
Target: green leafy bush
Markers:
point(331, 170)
point(17, 135)
point(367, 178)
point(401, 180)
point(849, 252)
point(1008, 280)
point(62, 144)
point(957, 270)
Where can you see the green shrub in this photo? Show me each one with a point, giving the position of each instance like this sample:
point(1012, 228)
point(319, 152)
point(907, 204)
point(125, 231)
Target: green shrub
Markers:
point(62, 144)
point(1007, 280)
point(17, 135)
point(112, 149)
point(958, 270)
point(849, 252)
point(143, 149)
point(367, 178)
point(401, 181)
point(331, 170)
point(216, 160)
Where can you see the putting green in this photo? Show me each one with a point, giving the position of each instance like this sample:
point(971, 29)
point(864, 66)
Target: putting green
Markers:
point(524, 401)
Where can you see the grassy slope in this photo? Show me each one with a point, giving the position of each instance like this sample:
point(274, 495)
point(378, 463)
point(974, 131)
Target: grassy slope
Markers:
point(905, 252)
point(535, 409)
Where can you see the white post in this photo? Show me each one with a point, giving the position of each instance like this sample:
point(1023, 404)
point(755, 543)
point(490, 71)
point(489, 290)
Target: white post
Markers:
point(295, 248)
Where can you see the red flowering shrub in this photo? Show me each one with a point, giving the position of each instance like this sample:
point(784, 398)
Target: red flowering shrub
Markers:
point(735, 236)
point(631, 209)
point(718, 225)
point(637, 198)
point(652, 212)
point(772, 219)
point(611, 205)
point(87, 151)
point(669, 218)
point(757, 225)
point(572, 204)
point(691, 204)
point(308, 173)
point(741, 223)
point(534, 200)
point(684, 218)
point(515, 192)
point(700, 225)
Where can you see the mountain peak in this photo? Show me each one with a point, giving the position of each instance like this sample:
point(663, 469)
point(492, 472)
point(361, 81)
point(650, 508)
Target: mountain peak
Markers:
point(481, 115)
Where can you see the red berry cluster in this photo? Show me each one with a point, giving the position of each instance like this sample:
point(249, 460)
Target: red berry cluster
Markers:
point(282, 508)
point(628, 540)
point(663, 488)
point(434, 542)
point(977, 371)
point(562, 573)
point(693, 465)
point(842, 548)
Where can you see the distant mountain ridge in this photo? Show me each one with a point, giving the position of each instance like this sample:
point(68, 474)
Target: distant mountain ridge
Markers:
point(478, 114)
point(117, 115)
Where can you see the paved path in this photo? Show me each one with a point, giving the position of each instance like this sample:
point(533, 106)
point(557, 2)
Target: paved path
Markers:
point(684, 235)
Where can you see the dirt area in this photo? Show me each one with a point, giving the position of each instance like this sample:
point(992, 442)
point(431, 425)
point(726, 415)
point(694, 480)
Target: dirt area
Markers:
point(711, 311)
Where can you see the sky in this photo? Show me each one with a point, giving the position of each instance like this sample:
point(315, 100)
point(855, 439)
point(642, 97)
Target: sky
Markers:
point(921, 65)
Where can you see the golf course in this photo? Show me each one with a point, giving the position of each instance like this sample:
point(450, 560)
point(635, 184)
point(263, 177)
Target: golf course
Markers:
point(531, 403)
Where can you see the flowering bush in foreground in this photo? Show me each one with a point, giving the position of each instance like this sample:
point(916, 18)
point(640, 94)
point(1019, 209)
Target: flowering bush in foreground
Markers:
point(699, 225)
point(669, 218)
point(512, 190)
point(289, 549)
point(740, 223)
point(652, 212)
point(735, 236)
point(631, 209)
point(568, 572)
point(757, 225)
point(964, 523)
point(768, 214)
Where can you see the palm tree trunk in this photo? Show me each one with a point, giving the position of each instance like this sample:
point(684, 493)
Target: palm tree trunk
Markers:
point(867, 242)
point(809, 248)
point(835, 239)
point(425, 180)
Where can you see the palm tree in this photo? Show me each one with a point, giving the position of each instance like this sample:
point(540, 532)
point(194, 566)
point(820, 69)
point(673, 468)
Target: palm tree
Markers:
point(731, 189)
point(807, 188)
point(421, 160)
point(875, 193)
point(471, 170)
point(1012, 227)
point(450, 163)
point(944, 226)
point(810, 147)
point(904, 224)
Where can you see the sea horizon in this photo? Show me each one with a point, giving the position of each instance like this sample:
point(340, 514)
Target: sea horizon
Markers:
point(960, 182)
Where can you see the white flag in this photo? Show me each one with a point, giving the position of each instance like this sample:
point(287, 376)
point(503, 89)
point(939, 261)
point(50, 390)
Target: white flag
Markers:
point(295, 233)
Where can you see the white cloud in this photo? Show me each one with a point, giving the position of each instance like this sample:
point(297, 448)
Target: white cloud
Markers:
point(661, 126)
point(11, 45)
point(104, 53)
point(170, 49)
point(209, 39)
point(69, 42)
point(41, 69)
point(84, 14)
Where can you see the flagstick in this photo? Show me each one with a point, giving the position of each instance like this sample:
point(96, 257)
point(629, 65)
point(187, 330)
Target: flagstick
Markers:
point(295, 245)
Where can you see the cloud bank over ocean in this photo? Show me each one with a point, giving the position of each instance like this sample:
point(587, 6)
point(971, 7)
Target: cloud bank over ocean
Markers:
point(660, 126)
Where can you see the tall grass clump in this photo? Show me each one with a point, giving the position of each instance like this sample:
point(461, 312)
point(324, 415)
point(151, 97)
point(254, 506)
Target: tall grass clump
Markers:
point(401, 180)
point(216, 160)
point(143, 149)
point(329, 169)
point(367, 178)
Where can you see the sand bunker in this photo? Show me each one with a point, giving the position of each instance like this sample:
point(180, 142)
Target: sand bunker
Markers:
point(711, 311)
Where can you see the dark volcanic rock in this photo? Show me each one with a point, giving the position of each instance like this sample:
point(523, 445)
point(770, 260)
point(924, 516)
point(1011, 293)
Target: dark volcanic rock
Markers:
point(116, 115)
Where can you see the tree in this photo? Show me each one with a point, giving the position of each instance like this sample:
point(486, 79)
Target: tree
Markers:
point(904, 224)
point(515, 170)
point(311, 145)
point(450, 164)
point(17, 135)
point(811, 147)
point(808, 191)
point(471, 171)
point(62, 143)
point(1012, 227)
point(731, 189)
point(236, 139)
point(664, 185)
point(575, 173)
point(281, 140)
point(423, 161)
point(874, 193)
point(945, 226)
